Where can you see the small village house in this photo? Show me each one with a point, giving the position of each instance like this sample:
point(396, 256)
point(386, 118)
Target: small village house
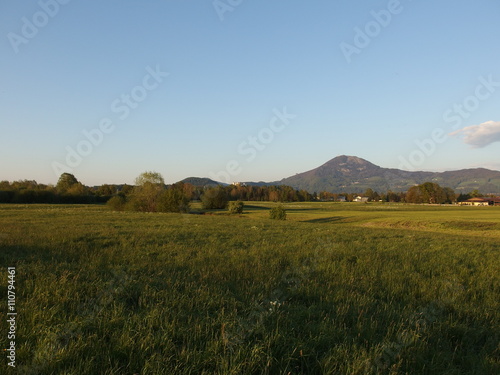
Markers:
point(481, 201)
point(360, 199)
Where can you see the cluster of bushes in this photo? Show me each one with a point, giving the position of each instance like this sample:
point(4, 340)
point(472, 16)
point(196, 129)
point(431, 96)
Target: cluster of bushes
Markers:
point(169, 200)
point(150, 194)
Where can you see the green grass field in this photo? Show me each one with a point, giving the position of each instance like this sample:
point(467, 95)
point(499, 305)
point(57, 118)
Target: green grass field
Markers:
point(336, 289)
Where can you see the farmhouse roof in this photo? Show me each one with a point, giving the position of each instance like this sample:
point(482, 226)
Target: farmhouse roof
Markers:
point(477, 199)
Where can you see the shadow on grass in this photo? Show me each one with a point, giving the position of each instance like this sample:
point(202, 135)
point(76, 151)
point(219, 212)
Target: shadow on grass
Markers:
point(325, 220)
point(259, 208)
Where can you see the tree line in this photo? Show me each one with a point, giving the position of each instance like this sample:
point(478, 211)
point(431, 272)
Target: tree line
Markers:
point(68, 190)
point(150, 193)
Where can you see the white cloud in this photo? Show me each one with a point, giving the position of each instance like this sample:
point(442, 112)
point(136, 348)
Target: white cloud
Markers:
point(480, 135)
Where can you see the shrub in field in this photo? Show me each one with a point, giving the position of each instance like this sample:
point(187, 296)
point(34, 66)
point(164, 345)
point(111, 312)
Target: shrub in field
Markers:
point(236, 207)
point(277, 213)
point(173, 200)
point(148, 188)
point(215, 198)
point(117, 203)
point(144, 198)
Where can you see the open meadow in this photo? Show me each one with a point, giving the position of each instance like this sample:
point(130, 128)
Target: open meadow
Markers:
point(337, 288)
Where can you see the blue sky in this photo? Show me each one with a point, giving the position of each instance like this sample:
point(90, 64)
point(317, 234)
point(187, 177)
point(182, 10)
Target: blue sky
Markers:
point(413, 72)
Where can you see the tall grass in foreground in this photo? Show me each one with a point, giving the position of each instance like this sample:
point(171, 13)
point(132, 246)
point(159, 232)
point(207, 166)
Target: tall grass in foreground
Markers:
point(129, 293)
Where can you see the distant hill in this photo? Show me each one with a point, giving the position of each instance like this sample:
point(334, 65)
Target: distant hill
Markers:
point(352, 174)
point(202, 182)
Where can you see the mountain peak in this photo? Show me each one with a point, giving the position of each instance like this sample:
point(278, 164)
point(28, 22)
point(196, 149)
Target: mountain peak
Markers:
point(347, 173)
point(347, 160)
point(201, 182)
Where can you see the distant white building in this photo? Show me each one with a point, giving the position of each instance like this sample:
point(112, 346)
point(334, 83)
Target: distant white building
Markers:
point(360, 199)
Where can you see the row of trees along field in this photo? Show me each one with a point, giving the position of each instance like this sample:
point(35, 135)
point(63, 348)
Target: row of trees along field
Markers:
point(67, 190)
point(151, 194)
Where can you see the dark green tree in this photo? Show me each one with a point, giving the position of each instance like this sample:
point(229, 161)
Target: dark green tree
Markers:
point(475, 194)
point(214, 198)
point(414, 195)
point(126, 189)
point(144, 196)
point(369, 194)
point(106, 190)
point(450, 196)
point(429, 192)
point(173, 199)
point(65, 182)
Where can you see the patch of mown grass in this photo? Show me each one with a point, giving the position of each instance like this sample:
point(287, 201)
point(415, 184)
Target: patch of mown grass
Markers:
point(126, 293)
